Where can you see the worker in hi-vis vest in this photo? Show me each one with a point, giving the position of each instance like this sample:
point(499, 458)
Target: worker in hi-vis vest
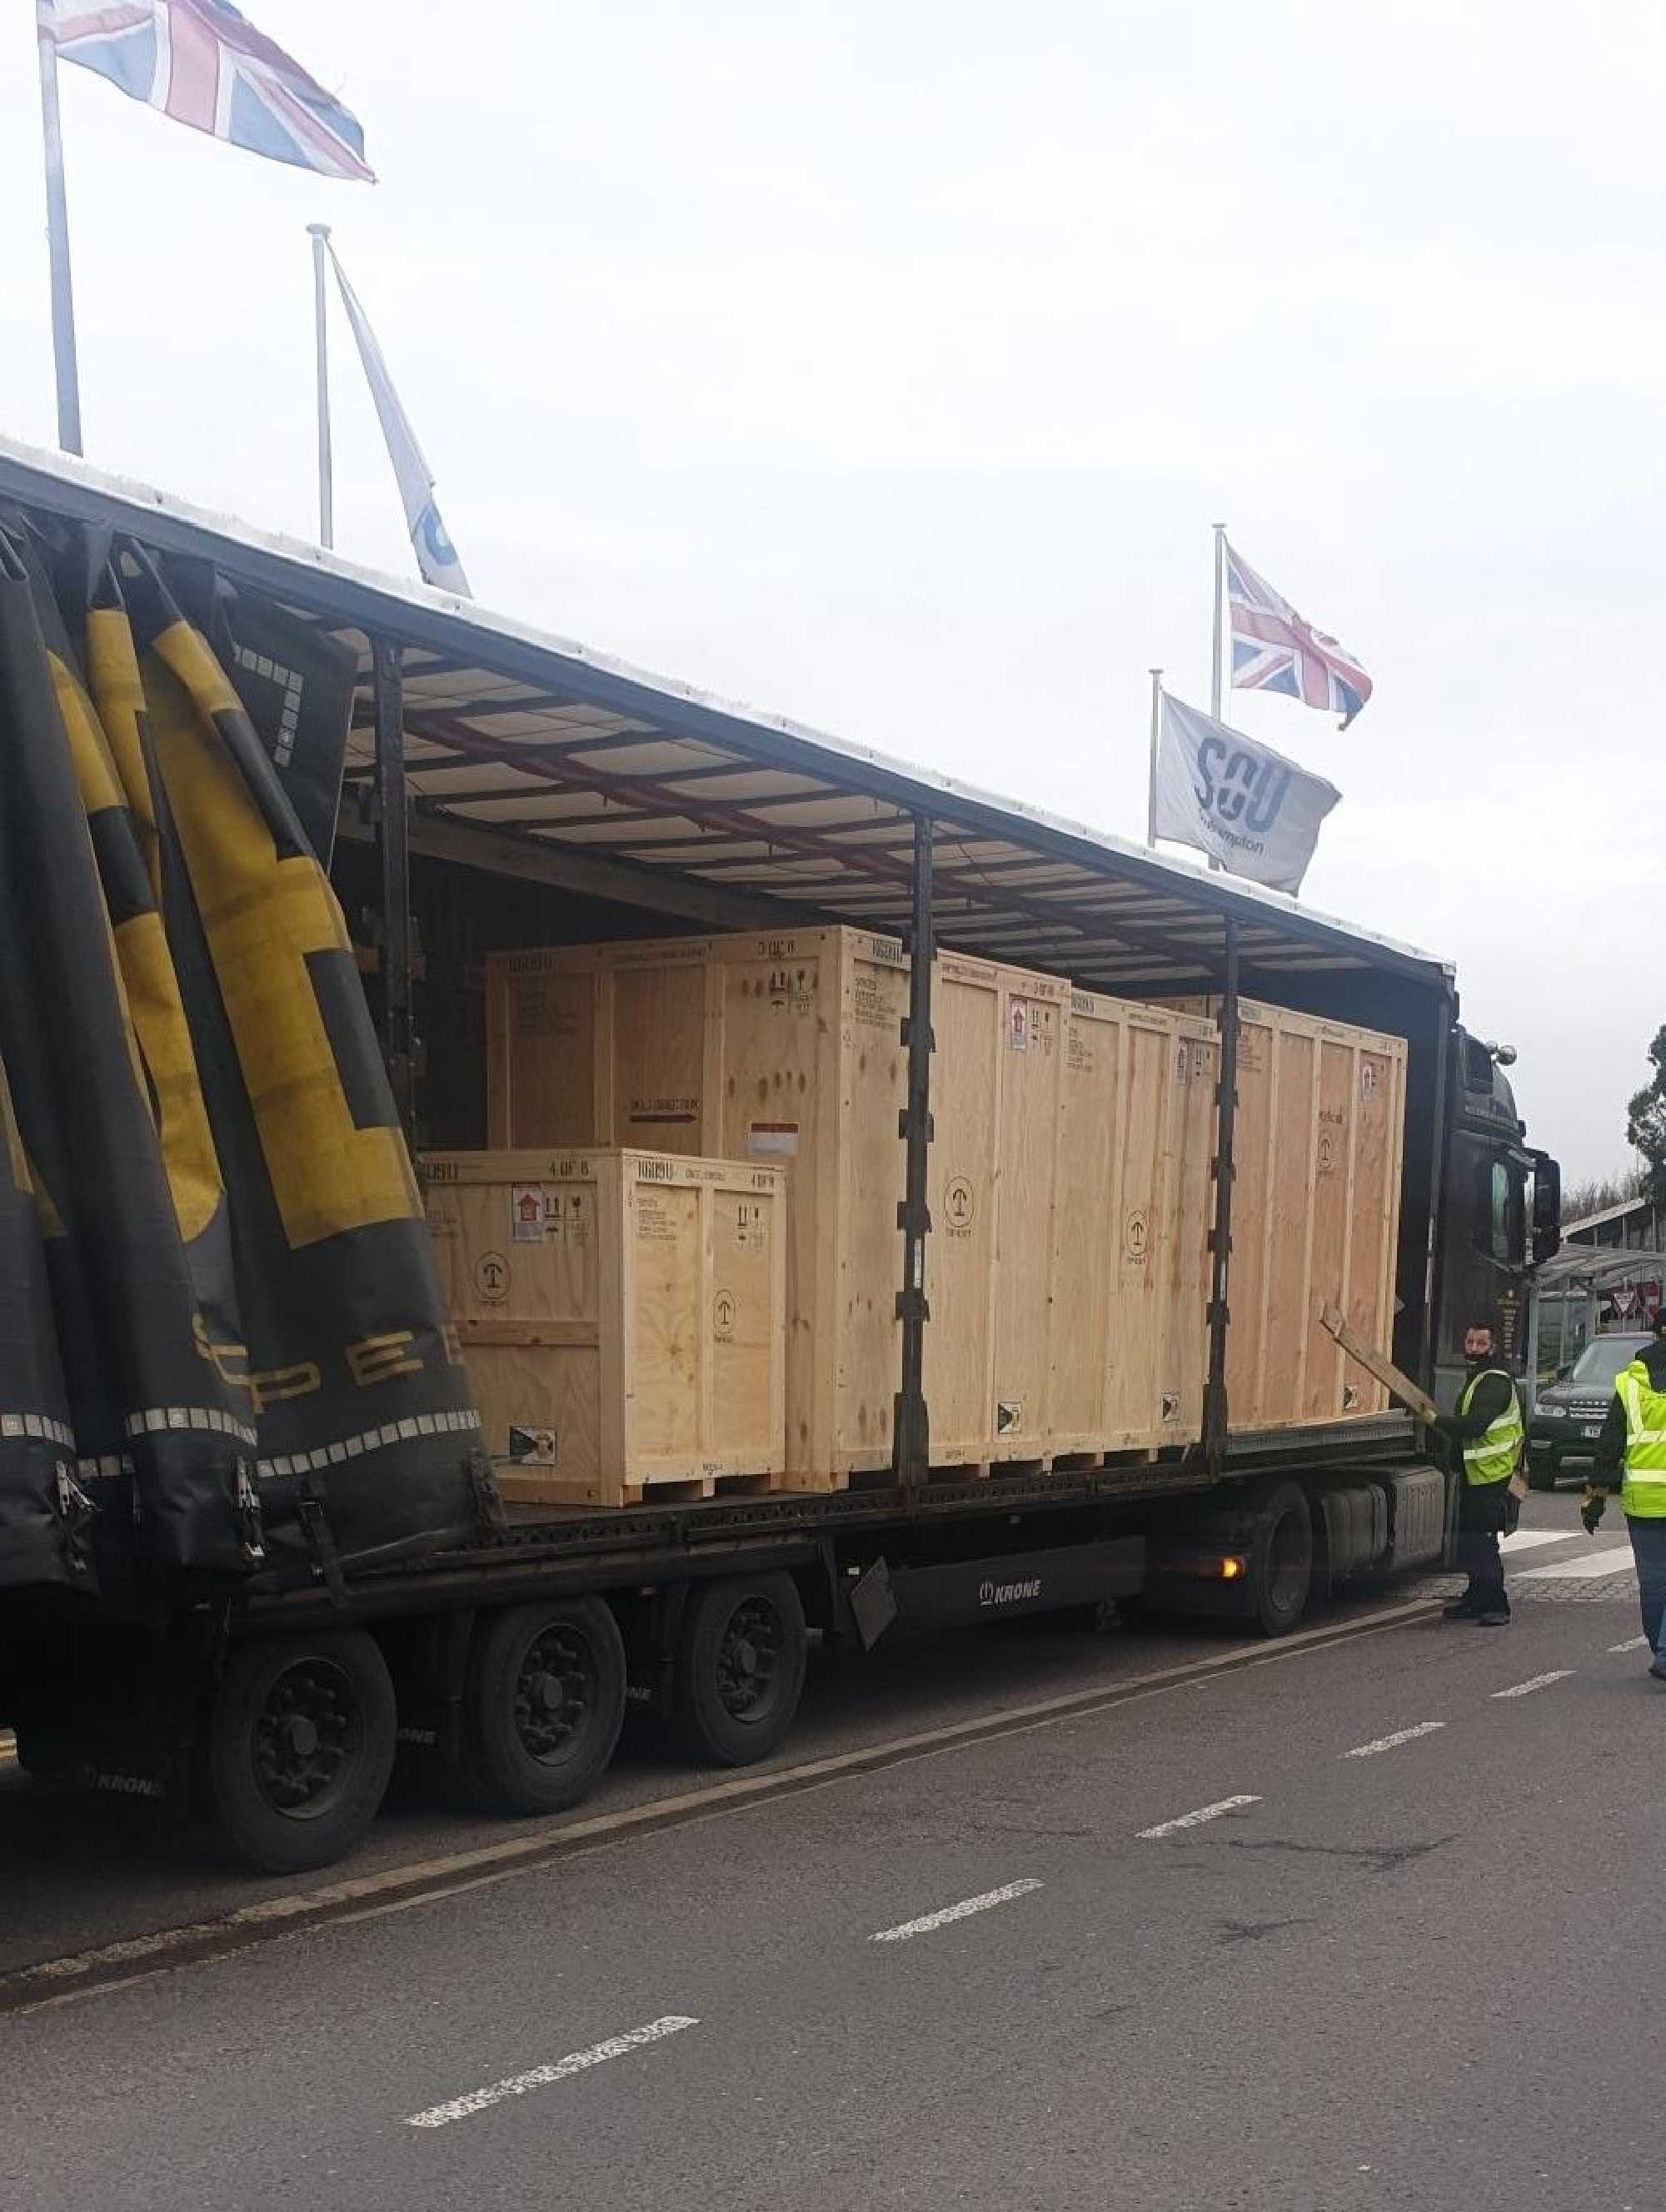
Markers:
point(1634, 1439)
point(1488, 1430)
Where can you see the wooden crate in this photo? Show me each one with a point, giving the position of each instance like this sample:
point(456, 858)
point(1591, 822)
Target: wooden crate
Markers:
point(1129, 1283)
point(624, 1311)
point(1315, 1213)
point(789, 1048)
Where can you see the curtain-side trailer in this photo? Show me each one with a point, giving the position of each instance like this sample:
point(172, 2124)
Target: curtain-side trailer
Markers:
point(501, 788)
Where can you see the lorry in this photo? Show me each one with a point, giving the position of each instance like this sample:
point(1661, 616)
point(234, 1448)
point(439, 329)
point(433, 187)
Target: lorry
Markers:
point(256, 1651)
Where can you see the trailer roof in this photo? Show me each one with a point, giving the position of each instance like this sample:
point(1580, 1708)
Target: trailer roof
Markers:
point(541, 743)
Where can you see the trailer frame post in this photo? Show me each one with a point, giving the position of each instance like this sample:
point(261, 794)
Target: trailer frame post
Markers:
point(1220, 1236)
point(910, 1416)
point(393, 834)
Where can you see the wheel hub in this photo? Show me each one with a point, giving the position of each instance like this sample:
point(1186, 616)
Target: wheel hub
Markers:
point(554, 1690)
point(748, 1658)
point(307, 1736)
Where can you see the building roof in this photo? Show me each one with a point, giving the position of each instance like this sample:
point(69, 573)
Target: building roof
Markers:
point(1626, 1208)
point(544, 743)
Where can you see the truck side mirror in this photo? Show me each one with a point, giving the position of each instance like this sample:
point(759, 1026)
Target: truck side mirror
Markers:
point(1547, 1208)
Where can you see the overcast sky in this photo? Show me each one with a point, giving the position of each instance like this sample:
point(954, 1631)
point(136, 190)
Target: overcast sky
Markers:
point(885, 365)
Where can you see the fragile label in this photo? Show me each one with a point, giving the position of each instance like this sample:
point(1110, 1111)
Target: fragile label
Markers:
point(526, 1211)
point(1018, 1025)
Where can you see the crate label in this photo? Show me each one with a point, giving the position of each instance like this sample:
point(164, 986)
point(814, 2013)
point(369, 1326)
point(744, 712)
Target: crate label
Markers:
point(725, 1307)
point(749, 1232)
point(491, 1278)
point(662, 1113)
point(1009, 1414)
point(1018, 1025)
point(872, 1003)
point(1181, 1061)
point(654, 1220)
point(1367, 1079)
point(764, 1138)
point(528, 1205)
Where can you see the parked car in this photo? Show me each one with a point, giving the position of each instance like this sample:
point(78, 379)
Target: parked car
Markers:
point(1568, 1417)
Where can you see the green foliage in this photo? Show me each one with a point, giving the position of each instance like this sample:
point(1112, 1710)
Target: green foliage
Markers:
point(1645, 1121)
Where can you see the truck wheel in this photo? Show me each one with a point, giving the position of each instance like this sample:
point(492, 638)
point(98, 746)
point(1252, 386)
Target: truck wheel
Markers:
point(740, 1669)
point(298, 1747)
point(544, 1703)
point(1282, 1559)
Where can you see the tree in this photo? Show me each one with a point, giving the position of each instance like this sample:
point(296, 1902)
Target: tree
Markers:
point(1645, 1121)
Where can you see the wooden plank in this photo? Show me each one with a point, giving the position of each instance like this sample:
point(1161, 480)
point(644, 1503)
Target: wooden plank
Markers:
point(1086, 1211)
point(960, 1253)
point(1392, 1379)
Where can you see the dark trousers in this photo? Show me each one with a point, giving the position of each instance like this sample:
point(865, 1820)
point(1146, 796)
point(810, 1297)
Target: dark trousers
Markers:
point(1481, 1509)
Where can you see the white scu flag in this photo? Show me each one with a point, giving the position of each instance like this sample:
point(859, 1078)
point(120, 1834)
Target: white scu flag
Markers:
point(437, 556)
point(1256, 812)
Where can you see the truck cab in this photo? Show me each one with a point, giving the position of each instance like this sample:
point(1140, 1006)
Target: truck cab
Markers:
point(1500, 1207)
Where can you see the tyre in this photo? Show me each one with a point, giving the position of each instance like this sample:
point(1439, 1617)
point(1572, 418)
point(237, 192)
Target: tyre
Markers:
point(298, 1747)
point(740, 1663)
point(1282, 1559)
point(544, 1703)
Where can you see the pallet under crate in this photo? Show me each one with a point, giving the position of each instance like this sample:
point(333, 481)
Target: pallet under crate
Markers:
point(622, 1317)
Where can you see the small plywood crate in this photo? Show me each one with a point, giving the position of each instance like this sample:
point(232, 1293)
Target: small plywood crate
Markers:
point(623, 1315)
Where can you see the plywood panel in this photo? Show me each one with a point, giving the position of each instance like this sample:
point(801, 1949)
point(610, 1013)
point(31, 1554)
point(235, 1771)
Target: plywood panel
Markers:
point(1085, 1213)
point(1190, 1217)
point(624, 1309)
point(872, 1091)
point(541, 1047)
point(1252, 1144)
point(1287, 1219)
point(961, 1249)
point(1033, 1011)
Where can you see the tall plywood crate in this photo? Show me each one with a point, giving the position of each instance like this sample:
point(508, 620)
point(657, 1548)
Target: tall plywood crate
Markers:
point(1130, 1253)
point(624, 1311)
point(787, 1047)
point(1319, 1146)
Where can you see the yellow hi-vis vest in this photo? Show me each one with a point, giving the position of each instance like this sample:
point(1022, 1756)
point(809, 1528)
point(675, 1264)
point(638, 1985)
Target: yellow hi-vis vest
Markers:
point(1644, 1493)
point(1492, 1455)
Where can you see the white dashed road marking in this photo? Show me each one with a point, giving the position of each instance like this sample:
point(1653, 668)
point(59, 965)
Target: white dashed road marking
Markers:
point(1389, 1742)
point(1615, 1561)
point(963, 1910)
point(1529, 1540)
point(1631, 1643)
point(540, 2077)
point(1195, 1820)
point(1536, 1682)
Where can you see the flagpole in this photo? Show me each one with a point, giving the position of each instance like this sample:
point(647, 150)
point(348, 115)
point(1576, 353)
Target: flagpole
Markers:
point(64, 365)
point(1150, 784)
point(1215, 636)
point(319, 234)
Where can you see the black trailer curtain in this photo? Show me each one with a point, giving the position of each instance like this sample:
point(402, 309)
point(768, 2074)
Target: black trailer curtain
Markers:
point(217, 1307)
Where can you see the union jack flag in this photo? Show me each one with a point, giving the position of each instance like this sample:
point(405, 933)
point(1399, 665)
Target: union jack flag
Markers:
point(203, 63)
point(1274, 650)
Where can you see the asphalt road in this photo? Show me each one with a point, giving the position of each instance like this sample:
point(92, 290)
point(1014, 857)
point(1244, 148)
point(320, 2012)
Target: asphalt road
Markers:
point(1411, 1956)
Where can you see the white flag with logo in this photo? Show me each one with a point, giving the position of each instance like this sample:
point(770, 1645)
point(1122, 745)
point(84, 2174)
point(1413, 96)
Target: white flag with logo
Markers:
point(437, 556)
point(1256, 812)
